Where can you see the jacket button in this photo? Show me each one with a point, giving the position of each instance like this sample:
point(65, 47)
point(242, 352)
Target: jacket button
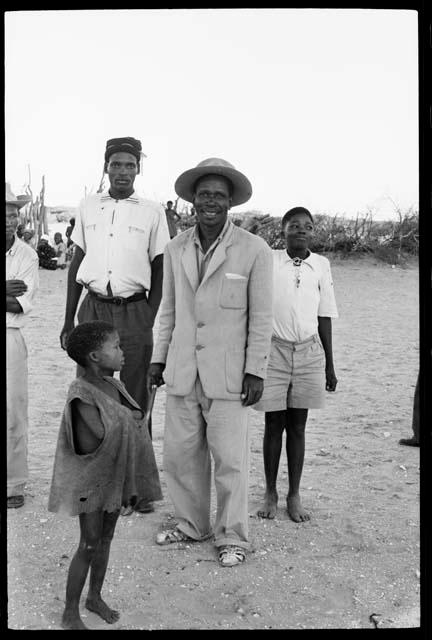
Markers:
point(199, 347)
point(200, 324)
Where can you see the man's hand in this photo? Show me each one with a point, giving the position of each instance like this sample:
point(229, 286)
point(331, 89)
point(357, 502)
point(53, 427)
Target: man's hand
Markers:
point(331, 380)
point(154, 375)
point(64, 335)
point(252, 389)
point(15, 288)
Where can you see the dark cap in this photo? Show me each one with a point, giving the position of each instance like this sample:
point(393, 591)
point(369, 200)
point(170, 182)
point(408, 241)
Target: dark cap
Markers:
point(125, 145)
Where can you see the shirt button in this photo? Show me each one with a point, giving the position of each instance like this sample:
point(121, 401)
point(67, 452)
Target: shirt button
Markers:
point(200, 324)
point(109, 271)
point(199, 347)
point(111, 234)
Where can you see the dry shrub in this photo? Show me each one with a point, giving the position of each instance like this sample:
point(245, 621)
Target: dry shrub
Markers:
point(390, 241)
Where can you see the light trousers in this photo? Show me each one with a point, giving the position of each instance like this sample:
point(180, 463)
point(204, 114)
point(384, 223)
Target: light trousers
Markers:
point(196, 430)
point(16, 412)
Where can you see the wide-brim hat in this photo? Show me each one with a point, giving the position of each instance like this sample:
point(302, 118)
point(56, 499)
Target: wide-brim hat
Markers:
point(185, 183)
point(18, 201)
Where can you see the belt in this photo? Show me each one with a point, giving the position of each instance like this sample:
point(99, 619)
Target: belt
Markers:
point(118, 300)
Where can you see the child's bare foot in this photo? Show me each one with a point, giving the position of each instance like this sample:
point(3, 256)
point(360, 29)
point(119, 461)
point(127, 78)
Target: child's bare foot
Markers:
point(269, 508)
point(72, 620)
point(97, 605)
point(295, 509)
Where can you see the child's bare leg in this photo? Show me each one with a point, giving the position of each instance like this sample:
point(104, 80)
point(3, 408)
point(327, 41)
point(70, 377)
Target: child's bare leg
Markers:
point(98, 569)
point(295, 448)
point(275, 422)
point(91, 530)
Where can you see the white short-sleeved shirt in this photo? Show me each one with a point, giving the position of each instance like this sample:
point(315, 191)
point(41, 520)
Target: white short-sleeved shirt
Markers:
point(120, 238)
point(22, 263)
point(300, 295)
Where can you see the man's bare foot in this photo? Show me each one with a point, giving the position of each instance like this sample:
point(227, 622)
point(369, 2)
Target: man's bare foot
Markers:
point(97, 605)
point(295, 509)
point(72, 621)
point(269, 508)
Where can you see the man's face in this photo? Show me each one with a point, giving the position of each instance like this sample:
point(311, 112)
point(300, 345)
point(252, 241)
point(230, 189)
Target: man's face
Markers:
point(12, 220)
point(122, 169)
point(212, 201)
point(298, 231)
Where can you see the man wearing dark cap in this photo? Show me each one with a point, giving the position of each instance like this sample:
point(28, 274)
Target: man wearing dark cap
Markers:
point(22, 280)
point(212, 349)
point(119, 240)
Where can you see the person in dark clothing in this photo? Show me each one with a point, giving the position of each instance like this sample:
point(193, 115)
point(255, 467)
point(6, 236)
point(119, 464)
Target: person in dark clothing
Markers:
point(414, 441)
point(47, 254)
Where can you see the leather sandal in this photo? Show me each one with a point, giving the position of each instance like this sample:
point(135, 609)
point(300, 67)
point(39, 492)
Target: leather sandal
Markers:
point(168, 536)
point(126, 510)
point(230, 555)
point(13, 502)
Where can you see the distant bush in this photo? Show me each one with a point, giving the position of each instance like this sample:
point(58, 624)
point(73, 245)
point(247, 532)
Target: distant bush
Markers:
point(391, 241)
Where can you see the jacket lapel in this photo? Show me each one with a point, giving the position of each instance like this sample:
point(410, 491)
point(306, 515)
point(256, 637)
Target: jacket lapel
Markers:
point(189, 262)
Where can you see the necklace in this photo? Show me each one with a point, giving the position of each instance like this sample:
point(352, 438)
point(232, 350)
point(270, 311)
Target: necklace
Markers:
point(297, 262)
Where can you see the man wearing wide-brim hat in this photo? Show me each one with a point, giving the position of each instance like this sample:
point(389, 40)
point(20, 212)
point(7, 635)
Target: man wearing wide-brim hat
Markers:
point(212, 349)
point(22, 280)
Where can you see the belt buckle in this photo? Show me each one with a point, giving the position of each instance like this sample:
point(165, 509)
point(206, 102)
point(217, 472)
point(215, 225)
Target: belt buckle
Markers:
point(117, 300)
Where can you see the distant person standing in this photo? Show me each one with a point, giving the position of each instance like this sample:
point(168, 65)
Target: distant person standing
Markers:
point(68, 232)
point(60, 249)
point(172, 218)
point(119, 241)
point(22, 280)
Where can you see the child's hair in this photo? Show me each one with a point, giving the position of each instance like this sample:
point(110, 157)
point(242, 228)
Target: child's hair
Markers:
point(58, 235)
point(87, 337)
point(292, 212)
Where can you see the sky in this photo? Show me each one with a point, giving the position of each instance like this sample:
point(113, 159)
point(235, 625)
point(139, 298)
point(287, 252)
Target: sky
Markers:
point(318, 107)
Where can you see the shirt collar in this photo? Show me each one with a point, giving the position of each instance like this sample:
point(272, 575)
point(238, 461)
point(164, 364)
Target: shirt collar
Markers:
point(12, 251)
point(221, 236)
point(309, 260)
point(132, 198)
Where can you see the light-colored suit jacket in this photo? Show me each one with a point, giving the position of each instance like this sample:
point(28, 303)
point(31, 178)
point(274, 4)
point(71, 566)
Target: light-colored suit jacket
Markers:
point(219, 329)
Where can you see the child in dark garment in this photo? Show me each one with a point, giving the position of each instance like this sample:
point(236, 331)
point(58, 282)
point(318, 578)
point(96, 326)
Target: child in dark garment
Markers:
point(104, 459)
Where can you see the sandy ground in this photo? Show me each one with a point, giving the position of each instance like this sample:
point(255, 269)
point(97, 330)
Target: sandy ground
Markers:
point(359, 554)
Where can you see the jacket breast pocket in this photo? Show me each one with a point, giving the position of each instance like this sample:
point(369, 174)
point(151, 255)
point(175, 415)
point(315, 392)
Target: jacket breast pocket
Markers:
point(234, 293)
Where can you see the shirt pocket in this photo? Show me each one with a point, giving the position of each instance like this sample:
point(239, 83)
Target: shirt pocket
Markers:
point(234, 293)
point(136, 237)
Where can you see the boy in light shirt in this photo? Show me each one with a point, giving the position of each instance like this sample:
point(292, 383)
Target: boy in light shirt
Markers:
point(300, 365)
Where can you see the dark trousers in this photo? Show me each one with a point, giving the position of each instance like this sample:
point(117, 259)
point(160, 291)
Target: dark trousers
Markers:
point(134, 322)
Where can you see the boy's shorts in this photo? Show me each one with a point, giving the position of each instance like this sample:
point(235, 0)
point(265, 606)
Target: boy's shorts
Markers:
point(295, 376)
